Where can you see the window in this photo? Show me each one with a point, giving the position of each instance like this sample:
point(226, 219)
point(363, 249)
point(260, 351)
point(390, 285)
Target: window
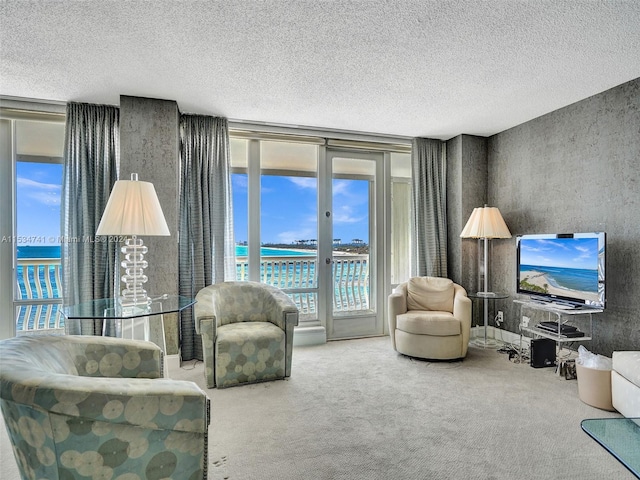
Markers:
point(281, 190)
point(31, 229)
point(275, 216)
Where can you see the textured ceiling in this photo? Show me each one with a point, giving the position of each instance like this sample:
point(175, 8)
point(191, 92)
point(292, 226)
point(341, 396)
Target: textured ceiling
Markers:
point(410, 68)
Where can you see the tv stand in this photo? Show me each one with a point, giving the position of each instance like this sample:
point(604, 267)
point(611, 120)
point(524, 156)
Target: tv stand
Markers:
point(557, 304)
point(580, 318)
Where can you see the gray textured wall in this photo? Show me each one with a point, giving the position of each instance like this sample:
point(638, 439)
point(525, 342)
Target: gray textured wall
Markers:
point(149, 146)
point(466, 190)
point(576, 169)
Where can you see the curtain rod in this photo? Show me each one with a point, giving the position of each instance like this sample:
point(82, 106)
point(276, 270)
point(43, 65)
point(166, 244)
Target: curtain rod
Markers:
point(54, 111)
point(294, 130)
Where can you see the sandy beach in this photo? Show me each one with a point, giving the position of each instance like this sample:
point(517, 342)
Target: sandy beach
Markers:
point(541, 280)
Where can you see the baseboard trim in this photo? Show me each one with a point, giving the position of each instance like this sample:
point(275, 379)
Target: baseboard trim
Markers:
point(309, 336)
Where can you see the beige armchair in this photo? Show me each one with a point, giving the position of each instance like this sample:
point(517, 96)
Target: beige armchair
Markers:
point(430, 317)
point(247, 332)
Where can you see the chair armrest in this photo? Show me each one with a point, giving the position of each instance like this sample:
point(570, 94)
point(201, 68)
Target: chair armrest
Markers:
point(96, 356)
point(154, 404)
point(203, 312)
point(292, 318)
point(462, 311)
point(396, 305)
point(282, 311)
point(461, 304)
point(397, 301)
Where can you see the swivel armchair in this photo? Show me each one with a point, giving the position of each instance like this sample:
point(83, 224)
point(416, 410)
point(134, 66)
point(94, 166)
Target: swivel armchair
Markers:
point(79, 407)
point(430, 318)
point(247, 332)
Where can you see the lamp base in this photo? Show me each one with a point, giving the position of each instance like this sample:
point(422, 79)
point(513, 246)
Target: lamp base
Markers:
point(488, 343)
point(139, 303)
point(134, 279)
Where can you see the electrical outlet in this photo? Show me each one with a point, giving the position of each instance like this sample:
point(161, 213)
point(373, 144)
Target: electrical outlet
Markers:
point(500, 317)
point(525, 321)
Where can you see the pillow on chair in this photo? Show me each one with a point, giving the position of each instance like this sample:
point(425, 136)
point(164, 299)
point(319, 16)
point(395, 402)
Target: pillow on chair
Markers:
point(430, 293)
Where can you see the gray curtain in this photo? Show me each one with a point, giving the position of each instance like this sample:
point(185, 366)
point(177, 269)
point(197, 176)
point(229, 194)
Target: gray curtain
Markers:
point(90, 169)
point(207, 247)
point(429, 221)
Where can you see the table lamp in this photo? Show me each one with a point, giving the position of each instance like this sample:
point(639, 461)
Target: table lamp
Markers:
point(133, 209)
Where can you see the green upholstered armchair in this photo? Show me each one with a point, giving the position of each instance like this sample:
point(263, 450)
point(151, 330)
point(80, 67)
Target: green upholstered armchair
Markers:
point(85, 407)
point(247, 332)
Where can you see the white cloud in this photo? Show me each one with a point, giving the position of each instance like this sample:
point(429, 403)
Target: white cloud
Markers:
point(45, 193)
point(345, 214)
point(27, 182)
point(292, 235)
point(304, 182)
point(556, 244)
point(341, 187)
point(239, 181)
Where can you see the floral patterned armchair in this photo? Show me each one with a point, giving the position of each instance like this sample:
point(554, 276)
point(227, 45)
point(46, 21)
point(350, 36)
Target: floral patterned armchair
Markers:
point(85, 407)
point(247, 332)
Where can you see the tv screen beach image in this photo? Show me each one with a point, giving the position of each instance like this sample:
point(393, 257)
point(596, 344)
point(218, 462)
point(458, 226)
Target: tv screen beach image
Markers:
point(566, 267)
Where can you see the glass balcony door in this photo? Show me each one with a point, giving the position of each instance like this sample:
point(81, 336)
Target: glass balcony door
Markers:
point(351, 233)
point(310, 219)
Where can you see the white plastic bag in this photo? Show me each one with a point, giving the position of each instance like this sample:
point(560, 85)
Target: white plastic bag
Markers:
point(592, 360)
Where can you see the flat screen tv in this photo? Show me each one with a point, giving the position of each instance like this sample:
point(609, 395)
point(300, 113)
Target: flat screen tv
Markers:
point(565, 268)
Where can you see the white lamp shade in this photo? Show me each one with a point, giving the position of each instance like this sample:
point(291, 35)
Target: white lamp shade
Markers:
point(485, 222)
point(133, 209)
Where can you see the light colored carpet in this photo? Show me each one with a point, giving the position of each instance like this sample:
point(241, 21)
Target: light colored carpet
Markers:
point(355, 409)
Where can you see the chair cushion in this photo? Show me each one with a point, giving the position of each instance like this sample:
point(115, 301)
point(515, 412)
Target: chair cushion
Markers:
point(437, 324)
point(627, 364)
point(430, 293)
point(249, 352)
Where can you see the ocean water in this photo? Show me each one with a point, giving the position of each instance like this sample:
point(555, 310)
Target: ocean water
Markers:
point(242, 251)
point(574, 278)
point(351, 290)
point(53, 251)
point(38, 251)
point(306, 270)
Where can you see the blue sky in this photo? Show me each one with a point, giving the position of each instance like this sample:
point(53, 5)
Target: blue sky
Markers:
point(289, 209)
point(289, 206)
point(38, 189)
point(560, 252)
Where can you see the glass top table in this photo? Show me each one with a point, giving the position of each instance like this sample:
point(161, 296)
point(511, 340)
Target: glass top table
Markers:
point(619, 436)
point(485, 342)
point(488, 295)
point(109, 308)
point(124, 321)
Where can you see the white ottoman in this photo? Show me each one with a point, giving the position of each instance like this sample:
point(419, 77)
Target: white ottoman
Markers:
point(625, 383)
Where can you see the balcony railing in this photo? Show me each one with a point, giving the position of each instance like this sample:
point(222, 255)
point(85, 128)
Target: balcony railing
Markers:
point(298, 277)
point(39, 299)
